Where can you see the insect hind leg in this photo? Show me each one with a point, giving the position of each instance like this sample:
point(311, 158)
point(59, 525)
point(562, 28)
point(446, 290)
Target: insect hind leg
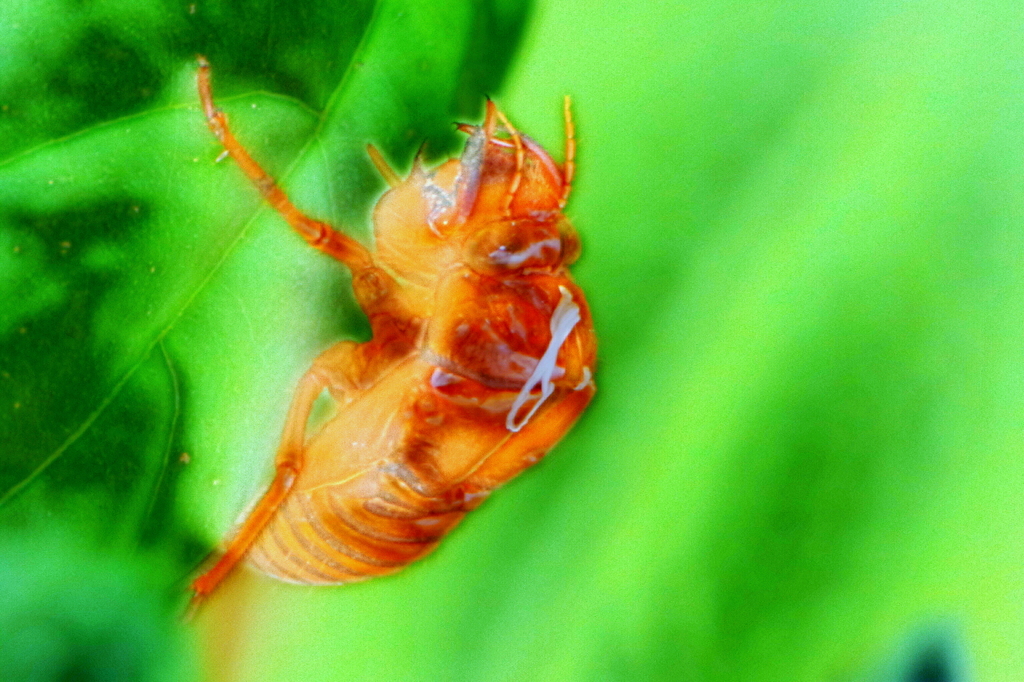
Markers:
point(318, 234)
point(338, 369)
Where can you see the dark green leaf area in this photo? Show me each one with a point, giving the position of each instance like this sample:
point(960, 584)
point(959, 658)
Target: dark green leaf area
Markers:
point(103, 76)
point(107, 238)
point(47, 357)
point(73, 610)
point(497, 28)
point(302, 51)
point(120, 473)
point(80, 64)
point(935, 653)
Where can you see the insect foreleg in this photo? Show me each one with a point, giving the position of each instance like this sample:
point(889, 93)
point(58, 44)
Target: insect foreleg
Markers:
point(319, 235)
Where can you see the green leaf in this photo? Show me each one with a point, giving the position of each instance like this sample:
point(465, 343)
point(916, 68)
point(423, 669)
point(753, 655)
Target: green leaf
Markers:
point(804, 254)
point(71, 612)
point(156, 315)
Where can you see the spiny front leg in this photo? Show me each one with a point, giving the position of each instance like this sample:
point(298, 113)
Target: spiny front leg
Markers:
point(376, 291)
point(334, 370)
point(318, 234)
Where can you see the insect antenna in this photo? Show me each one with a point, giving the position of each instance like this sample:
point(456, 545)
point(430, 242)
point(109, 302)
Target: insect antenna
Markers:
point(517, 178)
point(490, 119)
point(569, 167)
point(386, 171)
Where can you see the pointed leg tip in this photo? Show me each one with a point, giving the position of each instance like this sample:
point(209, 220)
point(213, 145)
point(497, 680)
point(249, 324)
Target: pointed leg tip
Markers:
point(192, 608)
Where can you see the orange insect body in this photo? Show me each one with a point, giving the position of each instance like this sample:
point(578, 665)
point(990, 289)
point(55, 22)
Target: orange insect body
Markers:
point(481, 359)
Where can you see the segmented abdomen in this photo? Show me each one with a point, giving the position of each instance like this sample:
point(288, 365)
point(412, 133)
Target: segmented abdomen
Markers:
point(326, 536)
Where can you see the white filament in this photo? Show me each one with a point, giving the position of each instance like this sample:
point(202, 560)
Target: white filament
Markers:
point(516, 258)
point(585, 381)
point(565, 317)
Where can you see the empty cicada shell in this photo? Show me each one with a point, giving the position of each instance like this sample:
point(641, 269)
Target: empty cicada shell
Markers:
point(481, 359)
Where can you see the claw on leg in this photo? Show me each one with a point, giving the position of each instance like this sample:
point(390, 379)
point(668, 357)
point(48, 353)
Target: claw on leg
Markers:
point(284, 480)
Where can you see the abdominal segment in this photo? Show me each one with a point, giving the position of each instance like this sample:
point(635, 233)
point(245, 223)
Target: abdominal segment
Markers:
point(325, 536)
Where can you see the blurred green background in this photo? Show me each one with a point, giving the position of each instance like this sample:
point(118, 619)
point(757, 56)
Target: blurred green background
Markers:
point(804, 255)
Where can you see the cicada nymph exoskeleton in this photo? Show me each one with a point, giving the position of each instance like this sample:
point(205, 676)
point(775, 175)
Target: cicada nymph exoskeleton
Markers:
point(481, 359)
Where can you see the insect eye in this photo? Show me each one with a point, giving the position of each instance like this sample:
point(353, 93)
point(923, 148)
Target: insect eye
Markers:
point(515, 245)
